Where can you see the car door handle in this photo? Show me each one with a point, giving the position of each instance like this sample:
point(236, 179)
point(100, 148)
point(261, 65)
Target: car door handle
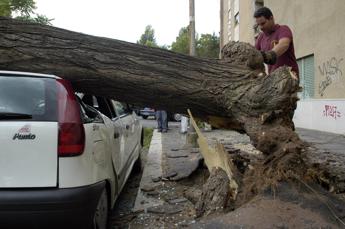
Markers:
point(116, 135)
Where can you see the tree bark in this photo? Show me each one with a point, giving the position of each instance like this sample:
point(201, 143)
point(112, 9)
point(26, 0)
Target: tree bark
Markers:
point(215, 193)
point(234, 88)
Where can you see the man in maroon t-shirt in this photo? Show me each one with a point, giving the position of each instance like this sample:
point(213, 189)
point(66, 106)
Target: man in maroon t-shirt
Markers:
point(275, 42)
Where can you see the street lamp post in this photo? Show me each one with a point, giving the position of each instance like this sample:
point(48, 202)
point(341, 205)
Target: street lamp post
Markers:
point(191, 28)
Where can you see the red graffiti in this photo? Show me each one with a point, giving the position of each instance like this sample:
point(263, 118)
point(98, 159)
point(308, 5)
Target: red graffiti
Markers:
point(331, 111)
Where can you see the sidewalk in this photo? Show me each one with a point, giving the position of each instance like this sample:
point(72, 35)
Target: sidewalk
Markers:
point(327, 152)
point(163, 200)
point(322, 140)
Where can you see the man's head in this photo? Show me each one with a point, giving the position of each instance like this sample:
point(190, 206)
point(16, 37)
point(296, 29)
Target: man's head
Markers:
point(264, 19)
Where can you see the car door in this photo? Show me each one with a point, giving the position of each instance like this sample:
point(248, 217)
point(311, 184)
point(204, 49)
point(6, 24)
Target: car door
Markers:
point(95, 127)
point(117, 141)
point(128, 130)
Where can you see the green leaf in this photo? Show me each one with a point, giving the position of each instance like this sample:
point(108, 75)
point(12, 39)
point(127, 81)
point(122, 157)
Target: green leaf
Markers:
point(24, 10)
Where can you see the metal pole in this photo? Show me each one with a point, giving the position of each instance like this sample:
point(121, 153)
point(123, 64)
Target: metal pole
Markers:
point(191, 28)
point(221, 41)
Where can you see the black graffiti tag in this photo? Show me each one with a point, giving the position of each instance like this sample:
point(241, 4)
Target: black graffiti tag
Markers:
point(331, 71)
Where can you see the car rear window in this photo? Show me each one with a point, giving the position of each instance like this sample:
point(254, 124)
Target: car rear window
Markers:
point(33, 96)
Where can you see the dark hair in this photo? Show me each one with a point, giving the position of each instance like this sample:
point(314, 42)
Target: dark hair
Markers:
point(263, 12)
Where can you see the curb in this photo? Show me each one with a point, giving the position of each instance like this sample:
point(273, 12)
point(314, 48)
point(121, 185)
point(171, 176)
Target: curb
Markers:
point(152, 169)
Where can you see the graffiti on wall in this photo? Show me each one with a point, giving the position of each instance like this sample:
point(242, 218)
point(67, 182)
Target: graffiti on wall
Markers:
point(331, 72)
point(331, 112)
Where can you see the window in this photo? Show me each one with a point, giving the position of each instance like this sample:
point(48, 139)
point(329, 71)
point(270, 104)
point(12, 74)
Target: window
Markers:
point(259, 4)
point(306, 75)
point(30, 96)
point(237, 18)
point(121, 108)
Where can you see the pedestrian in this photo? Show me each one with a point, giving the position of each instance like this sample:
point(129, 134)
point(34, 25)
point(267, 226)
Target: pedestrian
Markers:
point(162, 121)
point(275, 42)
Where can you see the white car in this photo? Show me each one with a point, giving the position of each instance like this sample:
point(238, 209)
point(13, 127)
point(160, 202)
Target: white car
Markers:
point(63, 160)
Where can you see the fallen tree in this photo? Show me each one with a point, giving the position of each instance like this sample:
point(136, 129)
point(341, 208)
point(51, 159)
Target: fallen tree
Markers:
point(233, 92)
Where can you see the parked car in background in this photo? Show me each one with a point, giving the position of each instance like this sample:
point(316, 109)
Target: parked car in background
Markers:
point(147, 112)
point(63, 159)
point(150, 112)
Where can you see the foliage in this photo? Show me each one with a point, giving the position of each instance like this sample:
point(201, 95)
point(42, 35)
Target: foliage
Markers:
point(148, 37)
point(206, 46)
point(181, 45)
point(148, 132)
point(23, 10)
point(5, 8)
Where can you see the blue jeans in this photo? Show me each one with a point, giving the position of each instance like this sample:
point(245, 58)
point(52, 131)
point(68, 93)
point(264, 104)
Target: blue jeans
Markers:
point(162, 120)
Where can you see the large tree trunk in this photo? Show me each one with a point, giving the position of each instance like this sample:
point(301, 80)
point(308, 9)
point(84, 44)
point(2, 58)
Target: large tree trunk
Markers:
point(234, 88)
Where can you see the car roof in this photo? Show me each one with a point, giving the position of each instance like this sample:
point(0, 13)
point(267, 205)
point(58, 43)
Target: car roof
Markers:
point(17, 73)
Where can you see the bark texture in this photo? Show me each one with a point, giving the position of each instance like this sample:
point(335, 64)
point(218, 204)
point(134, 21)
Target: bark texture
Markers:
point(234, 88)
point(215, 193)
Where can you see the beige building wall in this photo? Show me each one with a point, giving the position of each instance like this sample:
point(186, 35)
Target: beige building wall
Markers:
point(319, 40)
point(244, 30)
point(224, 23)
point(247, 22)
point(318, 28)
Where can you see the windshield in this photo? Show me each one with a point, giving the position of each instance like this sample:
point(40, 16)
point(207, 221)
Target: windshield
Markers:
point(27, 98)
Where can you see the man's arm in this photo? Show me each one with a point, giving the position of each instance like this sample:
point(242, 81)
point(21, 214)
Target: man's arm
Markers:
point(282, 46)
point(270, 57)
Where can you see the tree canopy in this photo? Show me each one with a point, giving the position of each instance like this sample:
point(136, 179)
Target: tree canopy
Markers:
point(22, 9)
point(148, 37)
point(181, 45)
point(206, 46)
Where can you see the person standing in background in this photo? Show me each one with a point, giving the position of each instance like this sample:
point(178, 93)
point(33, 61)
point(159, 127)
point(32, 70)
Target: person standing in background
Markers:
point(162, 121)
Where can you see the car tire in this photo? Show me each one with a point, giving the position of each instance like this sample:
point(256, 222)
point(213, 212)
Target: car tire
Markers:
point(144, 116)
point(101, 217)
point(138, 165)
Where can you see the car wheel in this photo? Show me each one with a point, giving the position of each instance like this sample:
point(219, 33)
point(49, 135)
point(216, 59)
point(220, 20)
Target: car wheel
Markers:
point(102, 212)
point(177, 117)
point(138, 165)
point(144, 116)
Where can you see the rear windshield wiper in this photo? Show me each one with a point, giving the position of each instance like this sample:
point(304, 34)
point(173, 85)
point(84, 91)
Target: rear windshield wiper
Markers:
point(9, 115)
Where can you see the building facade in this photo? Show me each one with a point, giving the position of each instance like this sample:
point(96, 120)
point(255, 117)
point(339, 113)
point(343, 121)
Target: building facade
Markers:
point(319, 40)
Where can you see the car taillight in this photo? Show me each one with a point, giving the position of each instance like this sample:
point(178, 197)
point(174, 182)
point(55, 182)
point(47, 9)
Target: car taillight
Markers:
point(71, 140)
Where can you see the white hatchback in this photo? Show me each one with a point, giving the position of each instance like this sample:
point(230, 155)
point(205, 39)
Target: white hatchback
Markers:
point(63, 159)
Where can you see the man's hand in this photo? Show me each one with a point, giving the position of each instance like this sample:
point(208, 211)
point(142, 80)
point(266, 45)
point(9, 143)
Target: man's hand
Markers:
point(270, 57)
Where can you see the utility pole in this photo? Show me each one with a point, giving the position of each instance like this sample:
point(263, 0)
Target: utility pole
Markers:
point(191, 137)
point(221, 36)
point(191, 28)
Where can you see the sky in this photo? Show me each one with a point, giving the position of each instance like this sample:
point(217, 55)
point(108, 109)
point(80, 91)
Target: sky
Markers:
point(126, 19)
